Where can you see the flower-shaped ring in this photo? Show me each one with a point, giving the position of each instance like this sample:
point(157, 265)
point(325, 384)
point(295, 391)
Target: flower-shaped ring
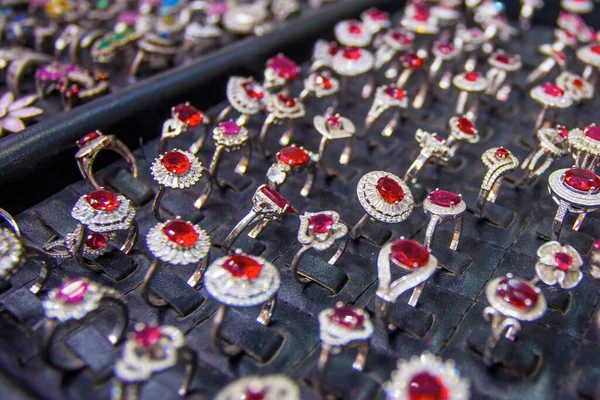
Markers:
point(558, 264)
point(352, 62)
point(281, 107)
point(292, 160)
point(498, 162)
point(184, 117)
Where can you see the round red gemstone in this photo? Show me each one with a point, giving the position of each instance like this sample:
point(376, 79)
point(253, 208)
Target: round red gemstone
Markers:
point(472, 76)
point(230, 128)
point(253, 90)
point(401, 37)
point(354, 28)
point(176, 162)
point(102, 200)
point(395, 92)
point(595, 49)
point(284, 67)
point(148, 336)
point(563, 261)
point(582, 180)
point(72, 291)
point(409, 253)
point(352, 53)
point(390, 190)
point(377, 14)
point(421, 12)
point(189, 115)
point(445, 48)
point(425, 386)
point(593, 132)
point(255, 394)
point(552, 90)
point(241, 266)
point(466, 125)
point(444, 198)
point(181, 233)
point(286, 100)
point(578, 83)
point(502, 153)
point(517, 293)
point(320, 223)
point(292, 155)
point(88, 138)
point(276, 198)
point(411, 60)
point(347, 317)
point(333, 120)
point(562, 132)
point(95, 241)
point(323, 81)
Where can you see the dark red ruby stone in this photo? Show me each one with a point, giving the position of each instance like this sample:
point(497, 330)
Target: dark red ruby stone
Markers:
point(176, 162)
point(593, 132)
point(578, 83)
point(181, 233)
point(552, 90)
point(189, 115)
point(377, 14)
point(502, 153)
point(472, 76)
point(148, 336)
point(284, 67)
point(595, 49)
point(517, 293)
point(425, 386)
point(582, 180)
point(293, 156)
point(347, 317)
point(276, 198)
point(563, 261)
point(87, 138)
point(242, 266)
point(390, 190)
point(409, 254)
point(352, 53)
point(395, 92)
point(465, 125)
point(95, 241)
point(252, 90)
point(102, 200)
point(444, 198)
point(320, 223)
point(323, 81)
point(72, 291)
point(504, 59)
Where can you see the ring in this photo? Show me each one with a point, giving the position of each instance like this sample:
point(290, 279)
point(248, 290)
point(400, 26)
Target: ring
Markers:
point(340, 328)
point(577, 6)
point(240, 280)
point(528, 7)
point(281, 107)
point(275, 387)
point(584, 145)
point(104, 212)
point(323, 54)
point(384, 197)
point(575, 190)
point(499, 162)
point(89, 147)
point(410, 256)
point(292, 160)
point(432, 146)
point(352, 33)
point(418, 18)
point(410, 62)
point(554, 57)
point(503, 68)
point(558, 264)
point(552, 146)
point(175, 242)
point(280, 71)
point(153, 49)
point(446, 12)
point(590, 56)
point(512, 300)
point(183, 118)
point(148, 350)
point(375, 20)
point(575, 25)
point(319, 231)
point(443, 206)
point(393, 42)
point(443, 51)
point(178, 169)
point(267, 205)
point(245, 96)
point(462, 129)
point(94, 245)
point(71, 303)
point(386, 97)
point(469, 84)
point(230, 137)
point(426, 377)
point(322, 84)
point(335, 127)
point(549, 95)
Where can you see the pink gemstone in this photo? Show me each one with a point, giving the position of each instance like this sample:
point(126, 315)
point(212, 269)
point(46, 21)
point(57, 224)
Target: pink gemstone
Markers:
point(284, 67)
point(352, 53)
point(347, 317)
point(582, 180)
point(563, 261)
point(593, 132)
point(377, 15)
point(552, 90)
point(320, 223)
point(276, 198)
point(409, 254)
point(333, 120)
point(230, 128)
point(72, 291)
point(444, 198)
point(472, 76)
point(517, 292)
point(445, 48)
point(421, 12)
point(148, 336)
point(596, 244)
point(128, 18)
point(425, 386)
point(88, 138)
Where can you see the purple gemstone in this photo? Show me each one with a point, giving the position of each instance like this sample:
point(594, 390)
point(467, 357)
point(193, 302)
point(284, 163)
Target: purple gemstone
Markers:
point(217, 8)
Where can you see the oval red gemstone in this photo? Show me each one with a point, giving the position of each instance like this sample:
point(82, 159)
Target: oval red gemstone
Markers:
point(72, 291)
point(466, 125)
point(284, 67)
point(148, 336)
point(347, 317)
point(102, 200)
point(444, 198)
point(323, 81)
point(517, 293)
point(582, 180)
point(292, 155)
point(333, 120)
point(286, 100)
point(395, 92)
point(401, 37)
point(409, 253)
point(87, 138)
point(352, 53)
point(593, 132)
point(502, 153)
point(189, 115)
point(276, 198)
point(354, 28)
point(445, 48)
point(563, 261)
point(390, 190)
point(253, 90)
point(560, 55)
point(472, 76)
point(425, 386)
point(230, 128)
point(377, 14)
point(255, 394)
point(504, 59)
point(176, 162)
point(595, 49)
point(181, 233)
point(411, 60)
point(552, 90)
point(242, 266)
point(95, 241)
point(320, 223)
point(333, 48)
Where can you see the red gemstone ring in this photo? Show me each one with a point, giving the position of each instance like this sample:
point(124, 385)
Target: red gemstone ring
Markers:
point(230, 137)
point(550, 95)
point(554, 58)
point(281, 108)
point(386, 97)
point(335, 127)
point(553, 144)
point(74, 301)
point(342, 327)
point(240, 280)
point(558, 264)
point(319, 231)
point(277, 387)
point(89, 147)
point(503, 68)
point(418, 18)
point(292, 160)
point(426, 377)
point(184, 117)
point(432, 146)
point(584, 145)
point(178, 169)
point(267, 205)
point(384, 197)
point(443, 206)
point(352, 33)
point(576, 87)
point(469, 84)
point(444, 52)
point(392, 42)
point(499, 162)
point(151, 349)
point(94, 245)
point(175, 242)
point(245, 96)
point(575, 190)
point(322, 84)
point(512, 301)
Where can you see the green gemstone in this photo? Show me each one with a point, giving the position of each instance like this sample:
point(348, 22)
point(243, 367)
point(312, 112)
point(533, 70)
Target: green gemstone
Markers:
point(104, 43)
